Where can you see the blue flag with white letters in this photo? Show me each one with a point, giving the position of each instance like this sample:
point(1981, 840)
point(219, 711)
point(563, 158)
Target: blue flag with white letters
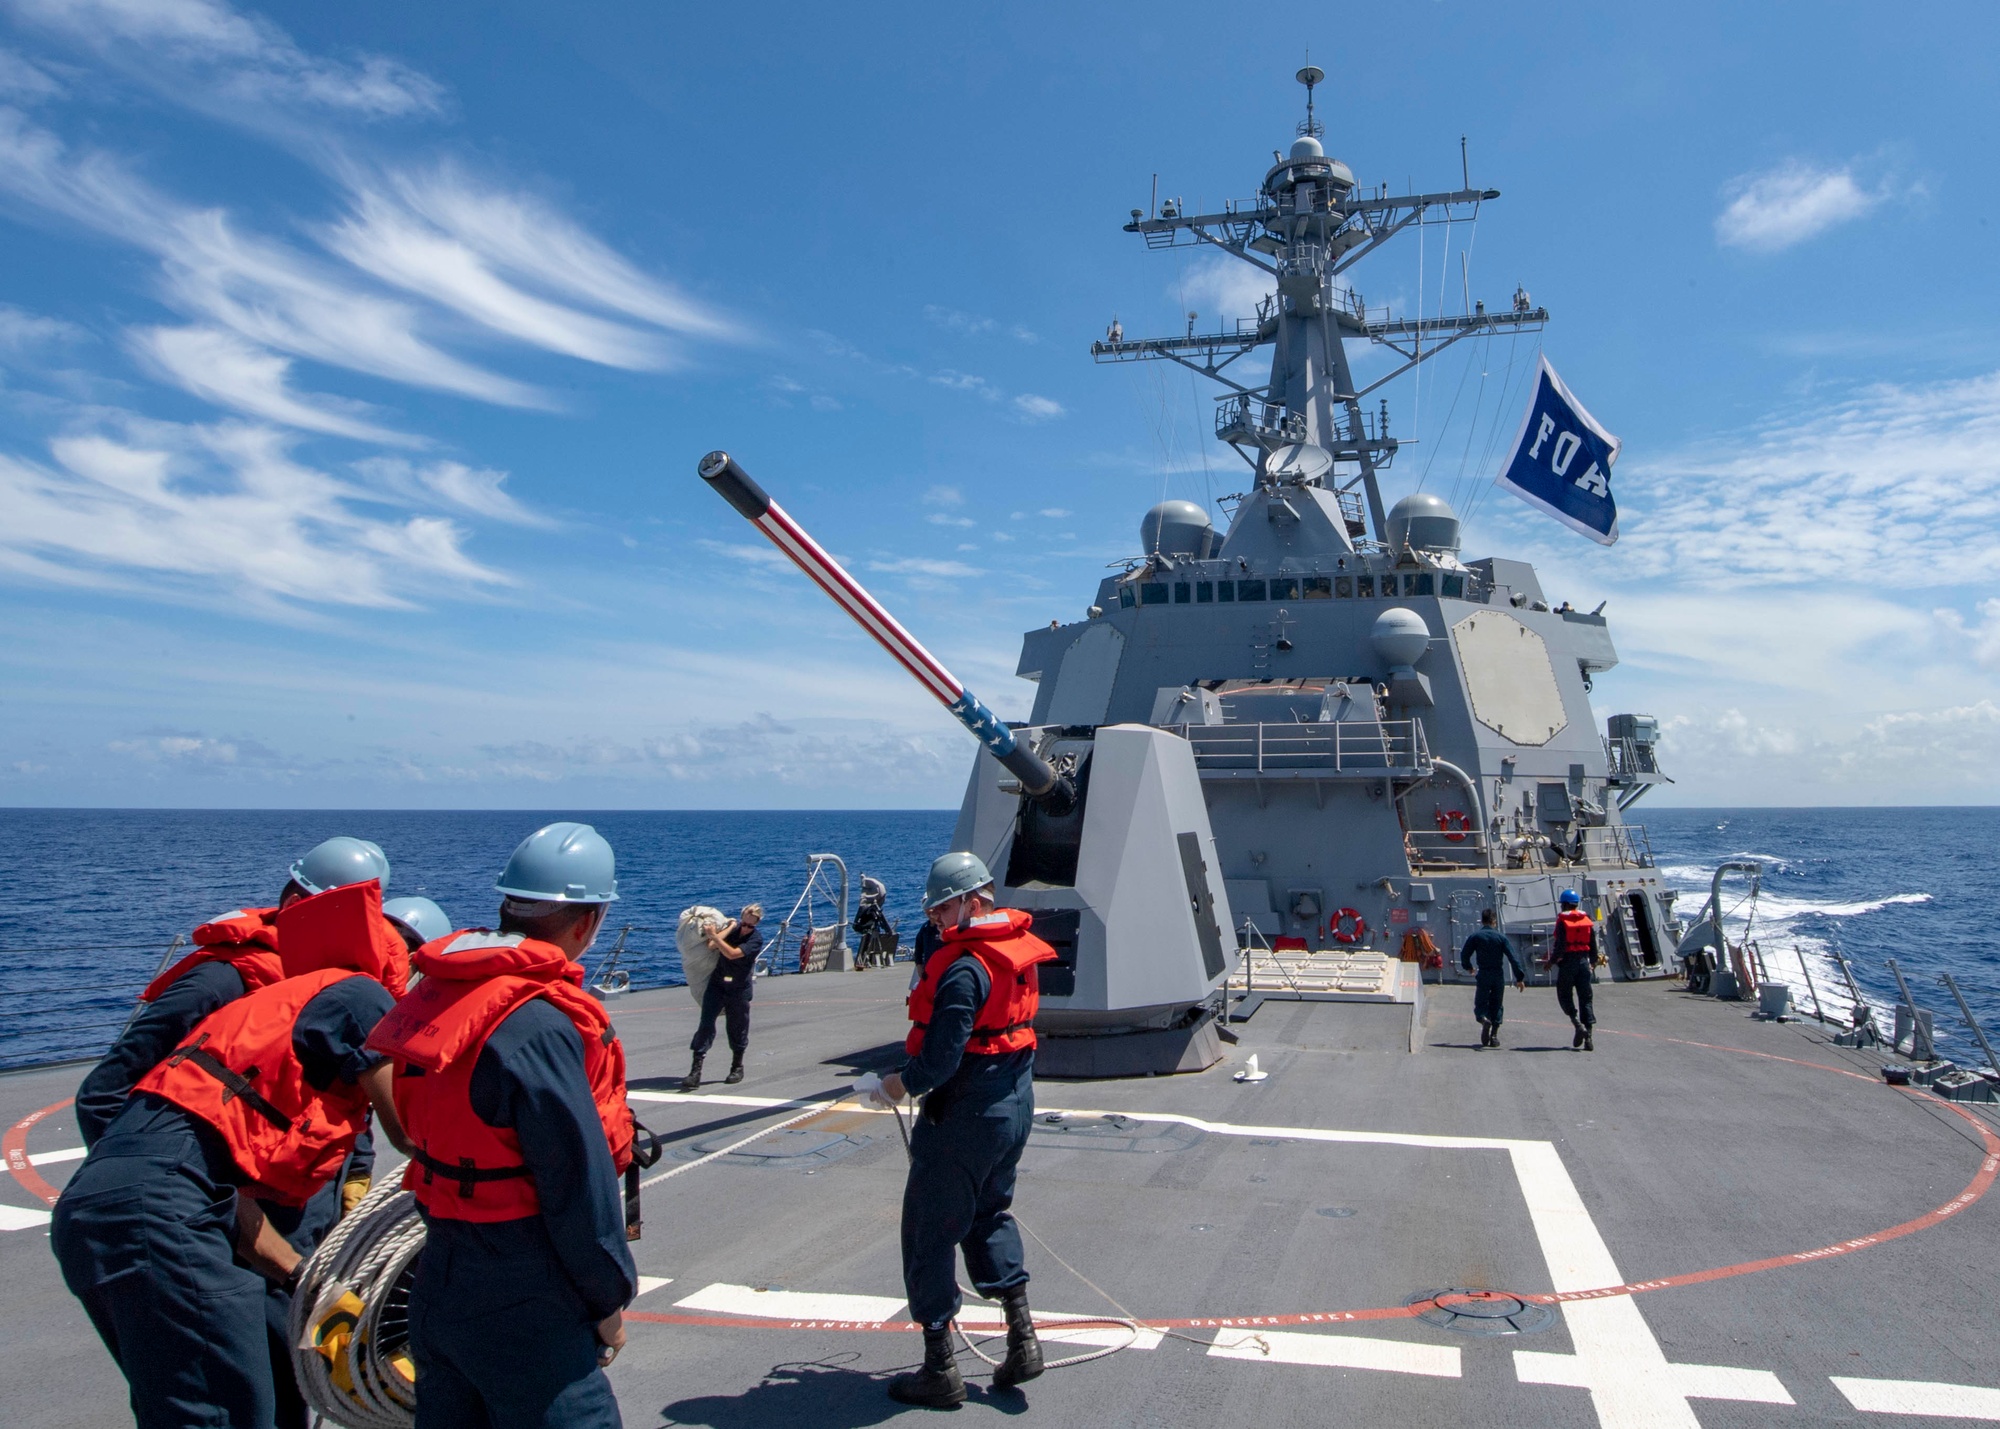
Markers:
point(1562, 461)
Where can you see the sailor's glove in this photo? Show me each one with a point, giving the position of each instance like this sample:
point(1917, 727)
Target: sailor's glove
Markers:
point(869, 1091)
point(352, 1191)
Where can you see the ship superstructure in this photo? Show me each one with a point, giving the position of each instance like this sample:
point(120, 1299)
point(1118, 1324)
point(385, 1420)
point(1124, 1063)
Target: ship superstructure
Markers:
point(1388, 737)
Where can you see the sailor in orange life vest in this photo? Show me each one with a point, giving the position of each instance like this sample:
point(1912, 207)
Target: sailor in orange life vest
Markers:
point(171, 1229)
point(1574, 951)
point(512, 1086)
point(972, 1059)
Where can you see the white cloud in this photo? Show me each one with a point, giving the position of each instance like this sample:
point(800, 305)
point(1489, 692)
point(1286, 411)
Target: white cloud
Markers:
point(944, 496)
point(207, 55)
point(217, 515)
point(220, 367)
point(1820, 492)
point(390, 243)
point(956, 321)
point(938, 518)
point(22, 331)
point(526, 238)
point(453, 485)
point(1982, 635)
point(1056, 513)
point(266, 292)
point(966, 382)
point(1784, 206)
point(25, 82)
point(922, 566)
point(1222, 288)
point(1037, 409)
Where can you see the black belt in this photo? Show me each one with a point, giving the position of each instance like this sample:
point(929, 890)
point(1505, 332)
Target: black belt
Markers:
point(467, 1172)
point(234, 1084)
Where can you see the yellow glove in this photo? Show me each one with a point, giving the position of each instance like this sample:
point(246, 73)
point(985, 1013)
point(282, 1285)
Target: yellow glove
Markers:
point(352, 1191)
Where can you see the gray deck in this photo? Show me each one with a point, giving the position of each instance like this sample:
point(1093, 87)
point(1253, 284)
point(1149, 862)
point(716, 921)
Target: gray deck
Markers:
point(1653, 1157)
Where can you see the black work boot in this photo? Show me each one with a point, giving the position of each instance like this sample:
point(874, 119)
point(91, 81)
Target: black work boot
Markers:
point(692, 1081)
point(1588, 1044)
point(938, 1384)
point(735, 1070)
point(1024, 1348)
point(1493, 1034)
point(1582, 1034)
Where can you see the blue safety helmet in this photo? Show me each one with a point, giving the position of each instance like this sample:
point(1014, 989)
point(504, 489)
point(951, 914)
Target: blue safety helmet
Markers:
point(1569, 898)
point(423, 919)
point(562, 863)
point(339, 862)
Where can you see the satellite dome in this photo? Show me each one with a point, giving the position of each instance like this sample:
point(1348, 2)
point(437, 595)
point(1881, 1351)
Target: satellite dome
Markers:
point(1177, 528)
point(1307, 147)
point(1400, 637)
point(1423, 522)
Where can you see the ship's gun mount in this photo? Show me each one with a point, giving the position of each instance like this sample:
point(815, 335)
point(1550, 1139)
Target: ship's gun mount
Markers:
point(1039, 779)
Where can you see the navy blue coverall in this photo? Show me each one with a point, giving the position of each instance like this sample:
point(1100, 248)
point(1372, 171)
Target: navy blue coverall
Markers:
point(145, 1233)
point(964, 1151)
point(1494, 955)
point(730, 988)
point(159, 1027)
point(503, 1315)
point(1574, 993)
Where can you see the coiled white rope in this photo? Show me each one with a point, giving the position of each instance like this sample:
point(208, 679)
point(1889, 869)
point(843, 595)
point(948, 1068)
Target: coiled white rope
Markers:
point(349, 1326)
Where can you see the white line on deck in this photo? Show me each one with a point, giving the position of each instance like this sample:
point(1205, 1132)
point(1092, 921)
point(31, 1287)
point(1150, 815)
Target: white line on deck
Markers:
point(51, 1158)
point(975, 1318)
point(19, 1218)
point(1917, 1396)
point(1631, 1384)
point(1337, 1352)
point(651, 1282)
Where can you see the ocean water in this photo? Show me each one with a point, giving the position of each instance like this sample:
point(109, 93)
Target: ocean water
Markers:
point(90, 899)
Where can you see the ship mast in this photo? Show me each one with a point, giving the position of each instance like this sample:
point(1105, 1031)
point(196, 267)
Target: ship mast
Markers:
point(1308, 225)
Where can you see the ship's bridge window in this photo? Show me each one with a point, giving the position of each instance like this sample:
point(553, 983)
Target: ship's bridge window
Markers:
point(1250, 590)
point(1453, 587)
point(1418, 585)
point(1204, 592)
point(1388, 587)
point(1363, 586)
point(1182, 592)
point(1153, 593)
point(1126, 600)
point(1285, 588)
point(1225, 591)
point(1343, 586)
point(1318, 587)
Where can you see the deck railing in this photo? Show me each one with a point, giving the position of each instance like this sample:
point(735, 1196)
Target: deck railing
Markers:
point(1344, 749)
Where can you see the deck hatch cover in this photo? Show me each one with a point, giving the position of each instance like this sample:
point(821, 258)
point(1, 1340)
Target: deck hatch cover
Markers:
point(1482, 1312)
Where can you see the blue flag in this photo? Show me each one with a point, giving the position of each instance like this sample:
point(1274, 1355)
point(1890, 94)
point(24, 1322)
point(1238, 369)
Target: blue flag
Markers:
point(1562, 461)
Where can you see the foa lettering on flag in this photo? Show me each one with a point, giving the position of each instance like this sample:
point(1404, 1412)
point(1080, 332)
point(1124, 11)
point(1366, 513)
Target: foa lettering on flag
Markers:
point(1562, 461)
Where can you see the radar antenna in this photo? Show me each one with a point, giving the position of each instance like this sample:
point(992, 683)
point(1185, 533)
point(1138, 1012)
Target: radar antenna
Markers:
point(1308, 225)
point(1310, 76)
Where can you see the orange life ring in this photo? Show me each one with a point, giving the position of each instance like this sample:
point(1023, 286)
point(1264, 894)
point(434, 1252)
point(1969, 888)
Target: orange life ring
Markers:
point(1341, 932)
point(1455, 824)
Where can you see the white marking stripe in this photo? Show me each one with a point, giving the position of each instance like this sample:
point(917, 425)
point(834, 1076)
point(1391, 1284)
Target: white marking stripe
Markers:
point(652, 1282)
point(1336, 1352)
point(976, 1319)
point(1918, 1396)
point(19, 1218)
point(51, 1158)
point(790, 1304)
point(1693, 1381)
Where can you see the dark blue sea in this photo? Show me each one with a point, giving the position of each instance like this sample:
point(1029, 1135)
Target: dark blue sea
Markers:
point(90, 899)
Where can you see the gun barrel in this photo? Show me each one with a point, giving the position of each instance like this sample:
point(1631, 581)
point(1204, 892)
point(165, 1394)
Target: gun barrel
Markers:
point(721, 471)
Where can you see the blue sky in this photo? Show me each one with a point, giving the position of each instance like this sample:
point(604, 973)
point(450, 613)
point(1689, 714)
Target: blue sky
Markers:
point(354, 362)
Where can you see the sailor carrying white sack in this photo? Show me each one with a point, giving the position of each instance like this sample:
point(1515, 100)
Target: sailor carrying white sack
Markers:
point(724, 956)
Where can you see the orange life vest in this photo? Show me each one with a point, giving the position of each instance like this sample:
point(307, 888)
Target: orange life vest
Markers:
point(344, 928)
point(237, 1072)
point(1574, 932)
point(1006, 1020)
point(464, 1169)
point(246, 939)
